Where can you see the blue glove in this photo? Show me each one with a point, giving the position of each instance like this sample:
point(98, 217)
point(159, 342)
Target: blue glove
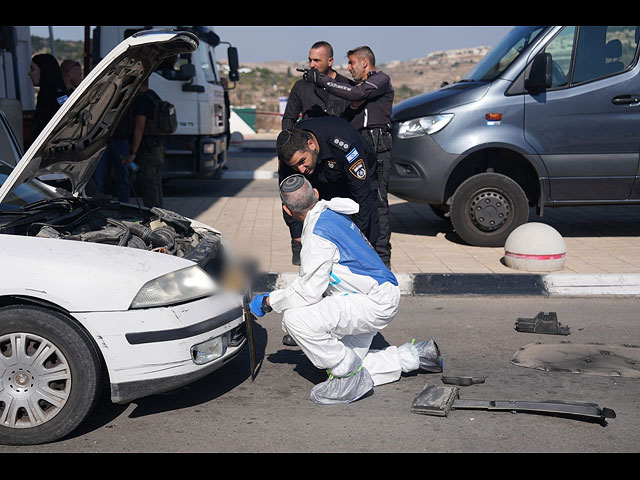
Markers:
point(256, 305)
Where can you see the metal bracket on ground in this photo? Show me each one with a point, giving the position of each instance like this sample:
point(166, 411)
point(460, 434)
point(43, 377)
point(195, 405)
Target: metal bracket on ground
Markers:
point(546, 323)
point(439, 400)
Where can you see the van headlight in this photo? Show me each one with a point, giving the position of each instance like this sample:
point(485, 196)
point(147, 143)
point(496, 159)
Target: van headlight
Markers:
point(418, 127)
point(175, 287)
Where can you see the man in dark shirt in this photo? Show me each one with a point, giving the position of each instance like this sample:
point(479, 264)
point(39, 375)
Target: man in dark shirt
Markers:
point(338, 162)
point(307, 100)
point(147, 150)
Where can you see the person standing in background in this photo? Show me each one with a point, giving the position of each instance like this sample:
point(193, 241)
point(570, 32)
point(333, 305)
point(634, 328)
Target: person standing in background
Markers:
point(72, 75)
point(45, 74)
point(147, 150)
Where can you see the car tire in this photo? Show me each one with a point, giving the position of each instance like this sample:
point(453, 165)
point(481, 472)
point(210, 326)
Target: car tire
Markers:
point(50, 371)
point(486, 208)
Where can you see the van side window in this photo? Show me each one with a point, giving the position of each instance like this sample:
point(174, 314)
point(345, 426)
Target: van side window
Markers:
point(604, 50)
point(600, 51)
point(561, 50)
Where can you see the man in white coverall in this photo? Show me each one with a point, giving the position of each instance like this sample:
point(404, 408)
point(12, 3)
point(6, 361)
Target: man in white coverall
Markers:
point(343, 296)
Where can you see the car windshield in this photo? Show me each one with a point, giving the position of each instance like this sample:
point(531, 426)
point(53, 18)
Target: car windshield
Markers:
point(503, 55)
point(26, 193)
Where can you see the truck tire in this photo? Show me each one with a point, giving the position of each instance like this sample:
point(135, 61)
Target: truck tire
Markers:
point(50, 375)
point(486, 208)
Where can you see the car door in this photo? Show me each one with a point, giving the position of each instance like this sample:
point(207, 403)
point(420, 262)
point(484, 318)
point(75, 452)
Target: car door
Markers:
point(586, 127)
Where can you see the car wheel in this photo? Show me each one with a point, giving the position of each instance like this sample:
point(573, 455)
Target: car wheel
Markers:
point(50, 375)
point(486, 208)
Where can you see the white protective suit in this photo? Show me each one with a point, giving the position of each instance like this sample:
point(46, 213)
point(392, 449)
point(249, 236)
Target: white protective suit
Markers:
point(343, 296)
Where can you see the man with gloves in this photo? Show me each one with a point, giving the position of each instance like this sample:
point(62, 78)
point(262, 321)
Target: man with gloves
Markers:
point(343, 296)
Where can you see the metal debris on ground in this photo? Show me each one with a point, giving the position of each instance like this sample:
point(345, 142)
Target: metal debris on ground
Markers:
point(545, 323)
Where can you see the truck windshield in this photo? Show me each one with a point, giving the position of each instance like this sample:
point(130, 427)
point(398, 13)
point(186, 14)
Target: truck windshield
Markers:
point(504, 54)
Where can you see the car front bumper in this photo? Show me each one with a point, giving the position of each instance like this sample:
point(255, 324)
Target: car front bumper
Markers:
point(149, 351)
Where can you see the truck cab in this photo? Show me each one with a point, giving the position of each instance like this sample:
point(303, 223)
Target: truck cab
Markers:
point(550, 117)
point(193, 84)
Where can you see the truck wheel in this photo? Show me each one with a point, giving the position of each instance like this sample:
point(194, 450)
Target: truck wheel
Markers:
point(486, 208)
point(49, 375)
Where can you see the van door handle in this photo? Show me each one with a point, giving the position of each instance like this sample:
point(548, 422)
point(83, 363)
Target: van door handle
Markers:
point(626, 99)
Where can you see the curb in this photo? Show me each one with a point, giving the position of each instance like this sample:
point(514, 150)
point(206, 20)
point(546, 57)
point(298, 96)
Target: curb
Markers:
point(439, 284)
point(249, 175)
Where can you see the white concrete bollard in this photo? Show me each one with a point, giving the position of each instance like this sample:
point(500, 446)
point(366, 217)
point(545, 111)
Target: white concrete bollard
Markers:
point(535, 247)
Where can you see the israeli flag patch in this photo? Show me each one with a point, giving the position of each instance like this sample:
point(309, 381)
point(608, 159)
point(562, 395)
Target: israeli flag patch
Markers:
point(352, 155)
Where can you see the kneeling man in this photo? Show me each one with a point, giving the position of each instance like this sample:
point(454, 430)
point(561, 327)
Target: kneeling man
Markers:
point(343, 296)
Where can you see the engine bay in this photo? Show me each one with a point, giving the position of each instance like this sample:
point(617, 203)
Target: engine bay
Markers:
point(108, 222)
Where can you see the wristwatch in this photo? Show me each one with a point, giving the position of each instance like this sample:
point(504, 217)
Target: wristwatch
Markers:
point(265, 307)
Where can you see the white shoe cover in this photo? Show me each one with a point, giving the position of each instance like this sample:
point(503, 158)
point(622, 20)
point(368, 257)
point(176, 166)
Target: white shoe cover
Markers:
point(430, 358)
point(342, 389)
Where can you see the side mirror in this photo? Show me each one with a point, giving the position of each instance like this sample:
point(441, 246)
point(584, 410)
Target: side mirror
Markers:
point(187, 70)
point(234, 64)
point(540, 77)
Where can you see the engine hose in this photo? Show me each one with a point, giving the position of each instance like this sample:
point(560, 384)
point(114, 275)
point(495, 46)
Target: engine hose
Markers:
point(146, 234)
point(124, 238)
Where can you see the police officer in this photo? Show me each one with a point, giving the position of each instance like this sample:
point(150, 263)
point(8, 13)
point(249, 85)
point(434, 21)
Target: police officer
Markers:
point(337, 162)
point(370, 113)
point(308, 100)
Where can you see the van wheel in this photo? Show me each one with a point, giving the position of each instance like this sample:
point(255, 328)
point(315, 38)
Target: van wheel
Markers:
point(49, 375)
point(486, 208)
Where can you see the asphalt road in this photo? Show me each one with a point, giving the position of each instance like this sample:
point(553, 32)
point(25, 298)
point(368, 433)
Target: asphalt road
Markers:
point(227, 412)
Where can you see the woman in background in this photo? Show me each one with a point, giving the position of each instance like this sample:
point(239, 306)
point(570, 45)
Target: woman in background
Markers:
point(45, 74)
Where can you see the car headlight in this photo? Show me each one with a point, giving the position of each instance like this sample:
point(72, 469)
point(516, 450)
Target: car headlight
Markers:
point(418, 127)
point(175, 287)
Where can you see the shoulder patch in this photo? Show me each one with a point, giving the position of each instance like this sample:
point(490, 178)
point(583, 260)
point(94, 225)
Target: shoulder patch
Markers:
point(359, 170)
point(340, 143)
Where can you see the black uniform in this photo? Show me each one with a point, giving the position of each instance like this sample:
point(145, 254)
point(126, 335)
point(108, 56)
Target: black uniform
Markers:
point(312, 101)
point(150, 156)
point(373, 120)
point(346, 168)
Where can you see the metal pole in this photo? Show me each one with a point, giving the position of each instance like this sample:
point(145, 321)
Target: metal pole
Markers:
point(51, 43)
point(87, 50)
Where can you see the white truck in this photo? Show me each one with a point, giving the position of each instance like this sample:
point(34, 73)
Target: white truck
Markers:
point(193, 83)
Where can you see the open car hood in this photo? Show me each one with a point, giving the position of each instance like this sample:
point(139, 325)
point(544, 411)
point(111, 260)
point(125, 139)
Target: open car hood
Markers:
point(72, 142)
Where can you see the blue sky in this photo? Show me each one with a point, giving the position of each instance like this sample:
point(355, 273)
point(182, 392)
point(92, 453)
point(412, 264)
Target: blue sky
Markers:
point(265, 43)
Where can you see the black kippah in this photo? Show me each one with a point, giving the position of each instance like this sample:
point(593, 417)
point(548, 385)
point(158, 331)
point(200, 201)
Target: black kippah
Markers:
point(292, 183)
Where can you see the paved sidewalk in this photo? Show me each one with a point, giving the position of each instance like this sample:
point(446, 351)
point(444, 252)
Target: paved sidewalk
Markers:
point(603, 243)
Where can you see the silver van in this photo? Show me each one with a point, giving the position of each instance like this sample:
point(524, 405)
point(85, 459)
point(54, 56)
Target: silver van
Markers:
point(550, 117)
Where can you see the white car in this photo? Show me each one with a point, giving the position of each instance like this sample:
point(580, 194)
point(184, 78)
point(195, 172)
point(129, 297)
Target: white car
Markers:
point(96, 292)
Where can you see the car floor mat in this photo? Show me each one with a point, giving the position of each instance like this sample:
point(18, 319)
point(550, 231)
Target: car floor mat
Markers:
point(588, 359)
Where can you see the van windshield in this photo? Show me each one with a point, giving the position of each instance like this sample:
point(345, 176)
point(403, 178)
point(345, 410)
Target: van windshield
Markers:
point(504, 54)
